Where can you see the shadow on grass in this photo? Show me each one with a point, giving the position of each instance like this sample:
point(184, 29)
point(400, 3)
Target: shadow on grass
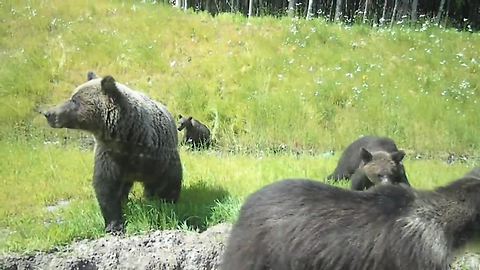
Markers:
point(200, 206)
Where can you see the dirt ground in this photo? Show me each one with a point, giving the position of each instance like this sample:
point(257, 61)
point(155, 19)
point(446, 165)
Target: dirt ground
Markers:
point(172, 250)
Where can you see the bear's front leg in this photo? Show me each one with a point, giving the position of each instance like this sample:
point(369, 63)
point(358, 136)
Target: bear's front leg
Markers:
point(111, 191)
point(360, 181)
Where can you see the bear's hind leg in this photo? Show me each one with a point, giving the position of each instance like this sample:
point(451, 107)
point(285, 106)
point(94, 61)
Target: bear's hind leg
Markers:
point(168, 192)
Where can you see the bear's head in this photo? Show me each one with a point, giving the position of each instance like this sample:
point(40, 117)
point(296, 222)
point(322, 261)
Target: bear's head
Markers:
point(89, 108)
point(382, 167)
point(184, 122)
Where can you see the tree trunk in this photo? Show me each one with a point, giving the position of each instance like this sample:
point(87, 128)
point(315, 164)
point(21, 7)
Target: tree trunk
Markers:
point(447, 10)
point(178, 3)
point(384, 13)
point(394, 13)
point(291, 8)
point(473, 14)
point(250, 8)
point(338, 10)
point(185, 6)
point(310, 9)
point(440, 12)
point(207, 6)
point(365, 18)
point(414, 11)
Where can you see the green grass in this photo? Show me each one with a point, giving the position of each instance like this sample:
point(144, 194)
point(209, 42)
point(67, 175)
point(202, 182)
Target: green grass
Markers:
point(263, 85)
point(39, 176)
point(258, 83)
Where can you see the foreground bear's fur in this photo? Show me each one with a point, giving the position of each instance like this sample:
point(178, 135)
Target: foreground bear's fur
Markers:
point(196, 133)
point(135, 140)
point(371, 160)
point(303, 224)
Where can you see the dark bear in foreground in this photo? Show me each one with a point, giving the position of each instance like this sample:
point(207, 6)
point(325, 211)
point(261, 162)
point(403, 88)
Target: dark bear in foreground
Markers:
point(196, 133)
point(135, 140)
point(371, 160)
point(304, 224)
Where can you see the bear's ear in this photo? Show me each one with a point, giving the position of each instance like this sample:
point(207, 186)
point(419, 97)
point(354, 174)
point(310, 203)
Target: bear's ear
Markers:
point(365, 155)
point(109, 87)
point(190, 118)
point(398, 156)
point(91, 75)
point(180, 116)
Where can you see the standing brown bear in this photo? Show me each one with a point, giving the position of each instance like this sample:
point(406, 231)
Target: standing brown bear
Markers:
point(196, 133)
point(371, 160)
point(135, 140)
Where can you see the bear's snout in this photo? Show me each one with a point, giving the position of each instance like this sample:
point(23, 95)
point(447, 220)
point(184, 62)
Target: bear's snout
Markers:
point(47, 114)
point(51, 118)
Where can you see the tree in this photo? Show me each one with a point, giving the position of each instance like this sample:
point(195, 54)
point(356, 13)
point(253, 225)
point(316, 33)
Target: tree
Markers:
point(250, 8)
point(440, 11)
point(394, 13)
point(473, 15)
point(414, 11)
point(310, 9)
point(384, 13)
point(338, 10)
point(291, 8)
point(365, 18)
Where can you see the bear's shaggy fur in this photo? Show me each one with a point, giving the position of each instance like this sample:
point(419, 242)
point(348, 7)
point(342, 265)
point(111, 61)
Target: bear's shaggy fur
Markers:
point(135, 140)
point(197, 135)
point(371, 160)
point(304, 224)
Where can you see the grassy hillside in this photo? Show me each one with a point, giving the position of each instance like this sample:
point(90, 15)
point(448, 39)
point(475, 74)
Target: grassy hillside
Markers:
point(261, 84)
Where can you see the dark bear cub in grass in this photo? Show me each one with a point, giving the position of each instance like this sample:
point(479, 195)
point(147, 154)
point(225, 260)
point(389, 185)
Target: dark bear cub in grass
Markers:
point(135, 140)
point(197, 135)
point(304, 224)
point(371, 160)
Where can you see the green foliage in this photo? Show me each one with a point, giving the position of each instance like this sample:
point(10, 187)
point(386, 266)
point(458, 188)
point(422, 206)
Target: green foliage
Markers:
point(259, 82)
point(49, 201)
point(278, 94)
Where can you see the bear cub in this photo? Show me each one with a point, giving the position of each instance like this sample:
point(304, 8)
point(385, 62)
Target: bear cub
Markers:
point(371, 160)
point(135, 140)
point(197, 135)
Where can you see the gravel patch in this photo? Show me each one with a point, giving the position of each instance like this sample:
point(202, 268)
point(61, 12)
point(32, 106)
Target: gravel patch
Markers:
point(156, 250)
point(165, 250)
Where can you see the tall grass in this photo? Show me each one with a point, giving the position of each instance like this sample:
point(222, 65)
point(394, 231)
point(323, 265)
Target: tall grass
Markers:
point(261, 82)
point(278, 94)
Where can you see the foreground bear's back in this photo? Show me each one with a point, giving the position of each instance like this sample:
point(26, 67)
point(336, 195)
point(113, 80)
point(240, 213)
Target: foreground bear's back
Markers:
point(301, 224)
